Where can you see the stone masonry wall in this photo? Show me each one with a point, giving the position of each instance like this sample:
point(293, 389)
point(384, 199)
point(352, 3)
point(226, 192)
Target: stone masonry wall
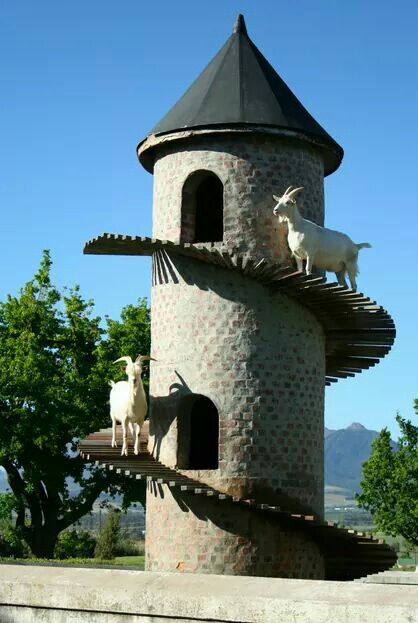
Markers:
point(192, 534)
point(260, 357)
point(252, 169)
point(256, 354)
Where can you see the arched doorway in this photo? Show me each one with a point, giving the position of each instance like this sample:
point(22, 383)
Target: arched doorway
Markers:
point(198, 433)
point(202, 208)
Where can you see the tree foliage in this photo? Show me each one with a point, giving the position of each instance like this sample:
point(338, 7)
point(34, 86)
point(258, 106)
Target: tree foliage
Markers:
point(55, 366)
point(108, 537)
point(390, 482)
point(75, 544)
point(11, 544)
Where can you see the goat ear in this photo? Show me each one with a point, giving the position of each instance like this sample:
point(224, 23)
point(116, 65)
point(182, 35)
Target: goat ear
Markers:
point(276, 198)
point(127, 359)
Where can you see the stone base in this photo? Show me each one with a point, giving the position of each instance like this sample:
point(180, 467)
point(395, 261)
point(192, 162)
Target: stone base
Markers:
point(198, 534)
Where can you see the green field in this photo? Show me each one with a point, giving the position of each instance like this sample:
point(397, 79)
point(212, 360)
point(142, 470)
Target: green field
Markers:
point(128, 561)
point(137, 561)
point(338, 496)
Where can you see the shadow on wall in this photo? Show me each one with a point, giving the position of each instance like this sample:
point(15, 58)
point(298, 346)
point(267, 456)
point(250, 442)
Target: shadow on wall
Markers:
point(197, 426)
point(228, 284)
point(197, 447)
point(164, 412)
point(254, 543)
point(163, 271)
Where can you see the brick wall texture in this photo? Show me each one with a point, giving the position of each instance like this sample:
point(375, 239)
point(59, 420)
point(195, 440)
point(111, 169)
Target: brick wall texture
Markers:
point(190, 535)
point(258, 355)
point(252, 169)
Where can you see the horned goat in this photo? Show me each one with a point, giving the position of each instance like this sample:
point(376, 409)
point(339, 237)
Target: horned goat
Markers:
point(128, 403)
point(321, 247)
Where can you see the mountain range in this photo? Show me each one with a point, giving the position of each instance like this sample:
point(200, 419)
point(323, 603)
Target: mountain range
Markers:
point(345, 452)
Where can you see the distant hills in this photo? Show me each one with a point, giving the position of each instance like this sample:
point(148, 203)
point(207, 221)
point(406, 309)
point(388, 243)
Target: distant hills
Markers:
point(345, 452)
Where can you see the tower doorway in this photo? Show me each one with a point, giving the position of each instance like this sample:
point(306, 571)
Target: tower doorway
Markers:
point(202, 208)
point(198, 433)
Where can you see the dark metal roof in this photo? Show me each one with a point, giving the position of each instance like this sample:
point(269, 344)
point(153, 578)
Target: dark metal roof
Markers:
point(239, 87)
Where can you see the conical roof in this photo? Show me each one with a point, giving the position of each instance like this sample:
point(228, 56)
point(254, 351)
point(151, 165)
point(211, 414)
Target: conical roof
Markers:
point(239, 87)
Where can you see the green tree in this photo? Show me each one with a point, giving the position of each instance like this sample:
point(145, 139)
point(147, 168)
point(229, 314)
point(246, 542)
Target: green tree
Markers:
point(55, 366)
point(75, 544)
point(390, 482)
point(108, 537)
point(11, 544)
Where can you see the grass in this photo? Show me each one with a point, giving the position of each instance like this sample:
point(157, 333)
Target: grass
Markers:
point(406, 561)
point(129, 561)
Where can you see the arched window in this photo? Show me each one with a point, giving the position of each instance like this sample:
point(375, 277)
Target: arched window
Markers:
point(198, 433)
point(202, 218)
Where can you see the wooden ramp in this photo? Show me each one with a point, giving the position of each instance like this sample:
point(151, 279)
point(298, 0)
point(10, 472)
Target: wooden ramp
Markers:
point(359, 333)
point(348, 554)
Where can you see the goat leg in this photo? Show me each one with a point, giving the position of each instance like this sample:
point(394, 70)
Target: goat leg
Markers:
point(299, 263)
point(352, 270)
point(341, 277)
point(131, 428)
point(125, 439)
point(137, 433)
point(114, 443)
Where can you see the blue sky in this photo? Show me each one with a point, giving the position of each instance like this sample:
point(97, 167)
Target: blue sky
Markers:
point(83, 82)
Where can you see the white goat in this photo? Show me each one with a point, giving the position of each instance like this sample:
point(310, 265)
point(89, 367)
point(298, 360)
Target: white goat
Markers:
point(128, 403)
point(321, 247)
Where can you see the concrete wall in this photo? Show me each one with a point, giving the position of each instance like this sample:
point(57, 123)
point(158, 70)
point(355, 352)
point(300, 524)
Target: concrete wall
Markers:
point(58, 595)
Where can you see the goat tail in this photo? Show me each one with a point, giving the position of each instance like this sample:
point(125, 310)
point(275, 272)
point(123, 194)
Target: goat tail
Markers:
point(364, 245)
point(112, 383)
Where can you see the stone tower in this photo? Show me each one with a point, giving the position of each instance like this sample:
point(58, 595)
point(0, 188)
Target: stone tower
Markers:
point(237, 392)
point(243, 346)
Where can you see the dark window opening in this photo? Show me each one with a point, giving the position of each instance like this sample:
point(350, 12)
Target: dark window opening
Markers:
point(198, 434)
point(209, 210)
point(202, 208)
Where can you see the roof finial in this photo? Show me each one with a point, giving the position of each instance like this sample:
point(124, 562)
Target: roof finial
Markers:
point(239, 25)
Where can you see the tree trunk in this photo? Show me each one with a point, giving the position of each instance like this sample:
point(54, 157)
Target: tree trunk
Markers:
point(42, 541)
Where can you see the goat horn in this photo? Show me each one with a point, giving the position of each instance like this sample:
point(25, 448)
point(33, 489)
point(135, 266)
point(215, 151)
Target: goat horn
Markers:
point(127, 359)
point(142, 358)
point(295, 191)
point(286, 191)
